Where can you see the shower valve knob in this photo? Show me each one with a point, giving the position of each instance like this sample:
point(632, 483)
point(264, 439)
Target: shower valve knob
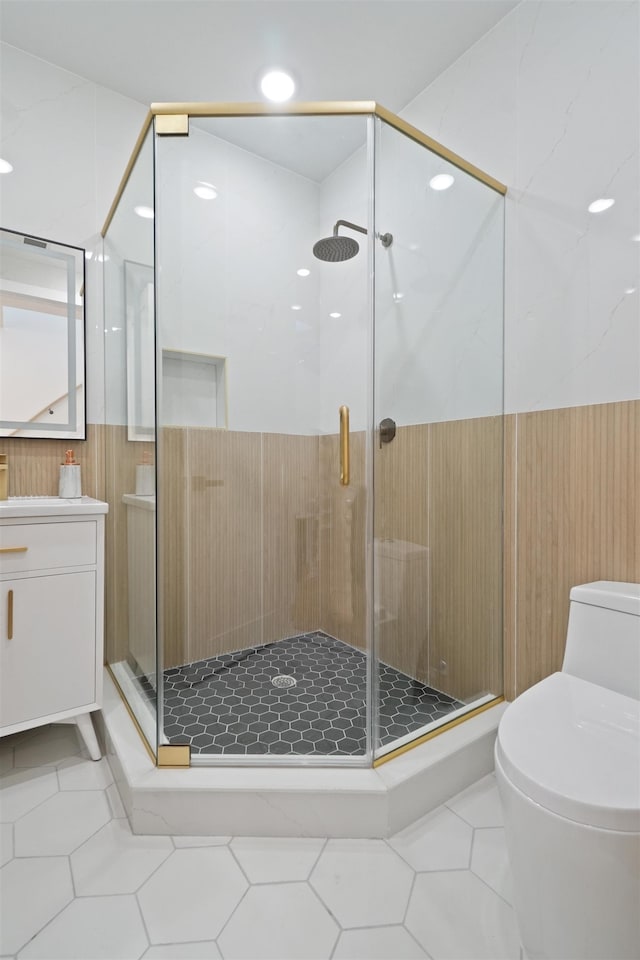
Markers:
point(387, 430)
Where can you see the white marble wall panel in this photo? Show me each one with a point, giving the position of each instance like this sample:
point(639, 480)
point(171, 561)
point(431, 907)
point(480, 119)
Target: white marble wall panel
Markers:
point(344, 357)
point(439, 289)
point(48, 134)
point(227, 277)
point(549, 102)
point(69, 141)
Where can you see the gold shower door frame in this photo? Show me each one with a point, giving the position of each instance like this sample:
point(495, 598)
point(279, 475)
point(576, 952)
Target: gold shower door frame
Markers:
point(172, 119)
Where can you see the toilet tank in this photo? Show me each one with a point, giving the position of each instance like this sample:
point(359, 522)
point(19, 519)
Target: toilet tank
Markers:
point(603, 636)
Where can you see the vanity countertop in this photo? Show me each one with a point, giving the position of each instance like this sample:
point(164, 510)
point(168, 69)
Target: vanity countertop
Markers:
point(50, 507)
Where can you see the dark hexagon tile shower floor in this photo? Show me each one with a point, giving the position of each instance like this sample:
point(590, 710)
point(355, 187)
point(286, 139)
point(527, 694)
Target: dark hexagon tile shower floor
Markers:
point(228, 704)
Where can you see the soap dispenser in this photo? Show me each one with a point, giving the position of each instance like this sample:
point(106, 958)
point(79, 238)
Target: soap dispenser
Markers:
point(69, 487)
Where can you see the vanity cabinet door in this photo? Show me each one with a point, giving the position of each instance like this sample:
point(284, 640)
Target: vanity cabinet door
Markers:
point(48, 666)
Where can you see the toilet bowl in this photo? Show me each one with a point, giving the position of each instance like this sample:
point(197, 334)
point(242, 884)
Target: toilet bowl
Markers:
point(568, 769)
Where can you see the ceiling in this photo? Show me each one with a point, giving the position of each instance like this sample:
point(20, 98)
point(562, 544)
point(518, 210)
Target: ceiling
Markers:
point(180, 50)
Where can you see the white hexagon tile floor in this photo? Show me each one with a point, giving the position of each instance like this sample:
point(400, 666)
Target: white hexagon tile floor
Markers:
point(76, 883)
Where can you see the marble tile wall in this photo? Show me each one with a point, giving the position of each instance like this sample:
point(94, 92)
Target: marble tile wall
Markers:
point(549, 103)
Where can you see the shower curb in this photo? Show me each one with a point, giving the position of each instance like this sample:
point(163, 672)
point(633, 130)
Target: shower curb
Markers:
point(291, 801)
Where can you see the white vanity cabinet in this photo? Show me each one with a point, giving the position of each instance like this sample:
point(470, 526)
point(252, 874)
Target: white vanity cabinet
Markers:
point(51, 613)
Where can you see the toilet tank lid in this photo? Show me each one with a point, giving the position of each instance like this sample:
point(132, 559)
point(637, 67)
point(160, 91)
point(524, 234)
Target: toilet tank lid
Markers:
point(574, 748)
point(624, 597)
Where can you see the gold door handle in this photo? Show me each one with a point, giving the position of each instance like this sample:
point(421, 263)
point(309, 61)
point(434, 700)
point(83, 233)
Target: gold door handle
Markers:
point(10, 615)
point(344, 446)
point(13, 549)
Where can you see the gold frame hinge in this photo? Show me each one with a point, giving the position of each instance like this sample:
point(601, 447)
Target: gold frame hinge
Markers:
point(174, 755)
point(172, 125)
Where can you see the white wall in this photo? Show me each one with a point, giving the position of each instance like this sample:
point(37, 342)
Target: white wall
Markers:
point(227, 276)
point(549, 103)
point(69, 141)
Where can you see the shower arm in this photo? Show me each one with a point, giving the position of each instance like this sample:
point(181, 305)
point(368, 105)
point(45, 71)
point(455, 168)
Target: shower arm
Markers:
point(386, 239)
point(347, 223)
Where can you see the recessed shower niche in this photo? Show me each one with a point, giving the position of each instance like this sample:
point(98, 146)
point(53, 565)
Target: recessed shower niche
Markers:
point(324, 591)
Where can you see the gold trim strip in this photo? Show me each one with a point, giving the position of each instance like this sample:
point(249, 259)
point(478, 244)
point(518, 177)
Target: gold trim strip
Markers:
point(172, 125)
point(416, 134)
point(317, 108)
point(174, 755)
point(13, 549)
point(311, 108)
point(10, 615)
point(127, 172)
point(435, 733)
point(146, 743)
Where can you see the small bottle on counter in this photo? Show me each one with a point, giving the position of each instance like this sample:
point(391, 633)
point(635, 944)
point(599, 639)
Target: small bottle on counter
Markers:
point(69, 487)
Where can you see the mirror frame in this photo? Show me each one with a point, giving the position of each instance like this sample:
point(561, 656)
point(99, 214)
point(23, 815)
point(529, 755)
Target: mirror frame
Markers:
point(75, 427)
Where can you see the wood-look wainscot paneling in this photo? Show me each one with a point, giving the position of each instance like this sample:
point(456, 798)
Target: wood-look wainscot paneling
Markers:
point(291, 535)
point(343, 517)
point(509, 558)
point(401, 550)
point(225, 549)
point(34, 464)
point(121, 457)
point(465, 543)
point(578, 519)
point(173, 497)
point(243, 560)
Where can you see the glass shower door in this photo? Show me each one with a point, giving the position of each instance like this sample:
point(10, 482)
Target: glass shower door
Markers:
point(263, 499)
point(438, 457)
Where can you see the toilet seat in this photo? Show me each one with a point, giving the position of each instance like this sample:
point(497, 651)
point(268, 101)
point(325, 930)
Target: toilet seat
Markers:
point(574, 748)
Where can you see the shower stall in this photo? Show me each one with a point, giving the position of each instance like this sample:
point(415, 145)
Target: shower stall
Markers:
point(304, 440)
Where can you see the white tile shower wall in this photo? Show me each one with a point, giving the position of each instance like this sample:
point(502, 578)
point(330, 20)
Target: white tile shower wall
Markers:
point(549, 102)
point(69, 141)
point(438, 292)
point(227, 277)
point(343, 340)
point(438, 289)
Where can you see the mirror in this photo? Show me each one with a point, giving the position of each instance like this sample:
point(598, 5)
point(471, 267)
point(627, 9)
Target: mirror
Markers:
point(42, 335)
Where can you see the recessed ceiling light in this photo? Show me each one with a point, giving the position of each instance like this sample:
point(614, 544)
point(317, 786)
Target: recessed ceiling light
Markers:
point(204, 190)
point(5, 166)
point(441, 182)
point(303, 272)
point(630, 290)
point(88, 254)
point(636, 238)
point(277, 86)
point(296, 306)
point(598, 206)
point(335, 316)
point(145, 212)
point(398, 297)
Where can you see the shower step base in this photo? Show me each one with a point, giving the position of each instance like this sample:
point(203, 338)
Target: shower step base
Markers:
point(270, 801)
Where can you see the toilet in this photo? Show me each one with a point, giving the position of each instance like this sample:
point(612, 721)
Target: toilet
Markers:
point(567, 759)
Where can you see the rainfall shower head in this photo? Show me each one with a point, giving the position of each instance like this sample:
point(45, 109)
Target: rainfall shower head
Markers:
point(335, 249)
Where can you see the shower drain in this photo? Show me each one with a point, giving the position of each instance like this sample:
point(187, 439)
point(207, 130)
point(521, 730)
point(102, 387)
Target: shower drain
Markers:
point(283, 681)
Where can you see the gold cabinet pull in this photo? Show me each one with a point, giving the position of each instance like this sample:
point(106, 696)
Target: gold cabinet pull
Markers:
point(344, 446)
point(13, 549)
point(10, 615)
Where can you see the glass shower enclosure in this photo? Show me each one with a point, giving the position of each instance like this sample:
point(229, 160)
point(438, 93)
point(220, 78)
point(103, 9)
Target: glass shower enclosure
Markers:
point(304, 440)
